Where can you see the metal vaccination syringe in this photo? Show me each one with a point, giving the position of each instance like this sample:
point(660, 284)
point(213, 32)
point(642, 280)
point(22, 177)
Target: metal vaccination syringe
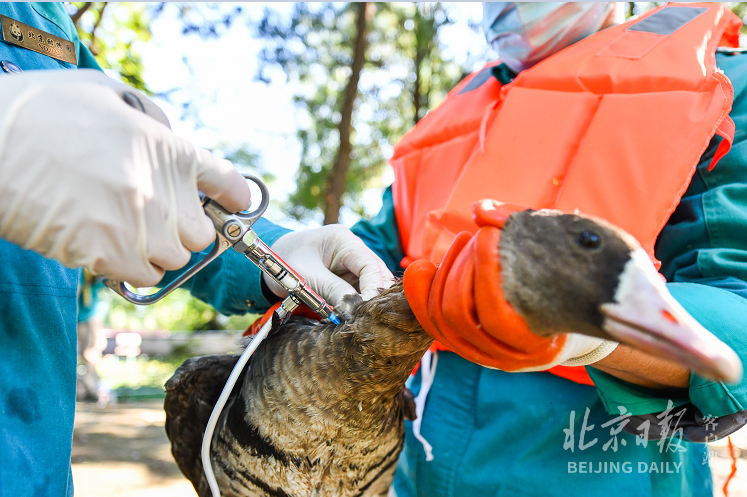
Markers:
point(234, 231)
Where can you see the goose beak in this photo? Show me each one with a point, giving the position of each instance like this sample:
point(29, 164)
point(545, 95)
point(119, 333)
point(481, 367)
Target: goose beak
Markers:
point(647, 317)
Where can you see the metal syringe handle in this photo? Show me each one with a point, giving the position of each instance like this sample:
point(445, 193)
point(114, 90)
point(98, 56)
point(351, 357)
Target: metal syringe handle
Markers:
point(229, 228)
point(270, 263)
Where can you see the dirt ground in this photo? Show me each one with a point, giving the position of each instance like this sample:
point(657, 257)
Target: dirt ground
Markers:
point(121, 450)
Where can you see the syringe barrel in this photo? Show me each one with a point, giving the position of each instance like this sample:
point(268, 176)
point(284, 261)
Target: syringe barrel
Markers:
point(271, 264)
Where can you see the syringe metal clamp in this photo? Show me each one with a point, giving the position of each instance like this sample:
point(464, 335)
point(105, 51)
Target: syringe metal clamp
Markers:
point(225, 223)
point(290, 303)
point(271, 264)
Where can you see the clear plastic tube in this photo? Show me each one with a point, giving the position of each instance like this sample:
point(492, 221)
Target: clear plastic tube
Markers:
point(213, 421)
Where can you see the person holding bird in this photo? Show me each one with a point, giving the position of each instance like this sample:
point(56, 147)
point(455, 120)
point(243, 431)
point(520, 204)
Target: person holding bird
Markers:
point(639, 123)
point(497, 429)
point(530, 211)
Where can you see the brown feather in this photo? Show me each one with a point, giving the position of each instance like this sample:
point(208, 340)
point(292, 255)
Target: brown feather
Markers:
point(320, 411)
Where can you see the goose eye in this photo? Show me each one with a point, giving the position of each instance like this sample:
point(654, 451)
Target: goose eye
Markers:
point(589, 240)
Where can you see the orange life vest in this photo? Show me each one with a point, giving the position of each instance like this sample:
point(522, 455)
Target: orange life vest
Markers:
point(612, 126)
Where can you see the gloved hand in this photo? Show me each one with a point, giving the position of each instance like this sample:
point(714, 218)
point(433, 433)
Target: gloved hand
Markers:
point(88, 180)
point(461, 305)
point(334, 262)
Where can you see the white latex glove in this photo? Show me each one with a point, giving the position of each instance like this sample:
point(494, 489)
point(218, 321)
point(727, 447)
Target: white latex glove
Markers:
point(332, 260)
point(90, 181)
point(578, 350)
point(583, 350)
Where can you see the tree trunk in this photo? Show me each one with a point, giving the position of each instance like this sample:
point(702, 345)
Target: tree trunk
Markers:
point(421, 45)
point(416, 96)
point(337, 179)
point(94, 49)
point(79, 13)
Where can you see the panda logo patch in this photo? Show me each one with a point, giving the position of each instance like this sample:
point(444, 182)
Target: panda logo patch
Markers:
point(15, 32)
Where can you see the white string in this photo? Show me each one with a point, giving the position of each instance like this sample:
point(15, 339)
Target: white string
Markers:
point(427, 374)
point(232, 379)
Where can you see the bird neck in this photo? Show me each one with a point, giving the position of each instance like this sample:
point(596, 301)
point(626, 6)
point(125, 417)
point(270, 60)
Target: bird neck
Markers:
point(322, 374)
point(380, 344)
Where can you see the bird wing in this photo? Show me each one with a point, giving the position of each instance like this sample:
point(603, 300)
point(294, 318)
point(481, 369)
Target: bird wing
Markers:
point(191, 395)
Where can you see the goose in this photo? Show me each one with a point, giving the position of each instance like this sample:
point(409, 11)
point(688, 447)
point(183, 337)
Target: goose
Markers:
point(320, 410)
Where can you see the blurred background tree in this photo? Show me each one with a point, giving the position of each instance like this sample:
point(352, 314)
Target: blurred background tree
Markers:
point(114, 33)
point(177, 312)
point(323, 49)
point(361, 75)
point(356, 97)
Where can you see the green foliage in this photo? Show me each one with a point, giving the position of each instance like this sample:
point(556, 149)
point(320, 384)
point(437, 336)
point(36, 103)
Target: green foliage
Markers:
point(315, 50)
point(740, 9)
point(118, 373)
point(206, 20)
point(178, 311)
point(115, 33)
point(404, 76)
point(427, 77)
point(247, 160)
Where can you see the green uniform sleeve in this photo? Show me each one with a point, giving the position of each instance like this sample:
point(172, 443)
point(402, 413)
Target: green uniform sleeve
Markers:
point(381, 234)
point(718, 310)
point(703, 250)
point(723, 313)
point(231, 283)
point(86, 59)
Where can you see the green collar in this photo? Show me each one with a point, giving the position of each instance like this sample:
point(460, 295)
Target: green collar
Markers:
point(503, 73)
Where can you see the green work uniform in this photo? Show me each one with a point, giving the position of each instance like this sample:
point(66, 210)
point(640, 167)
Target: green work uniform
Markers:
point(38, 315)
point(535, 434)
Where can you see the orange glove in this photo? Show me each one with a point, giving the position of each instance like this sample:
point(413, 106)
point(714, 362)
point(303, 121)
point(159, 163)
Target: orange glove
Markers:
point(464, 308)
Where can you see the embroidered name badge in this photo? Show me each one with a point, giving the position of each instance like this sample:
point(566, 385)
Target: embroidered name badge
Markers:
point(25, 36)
